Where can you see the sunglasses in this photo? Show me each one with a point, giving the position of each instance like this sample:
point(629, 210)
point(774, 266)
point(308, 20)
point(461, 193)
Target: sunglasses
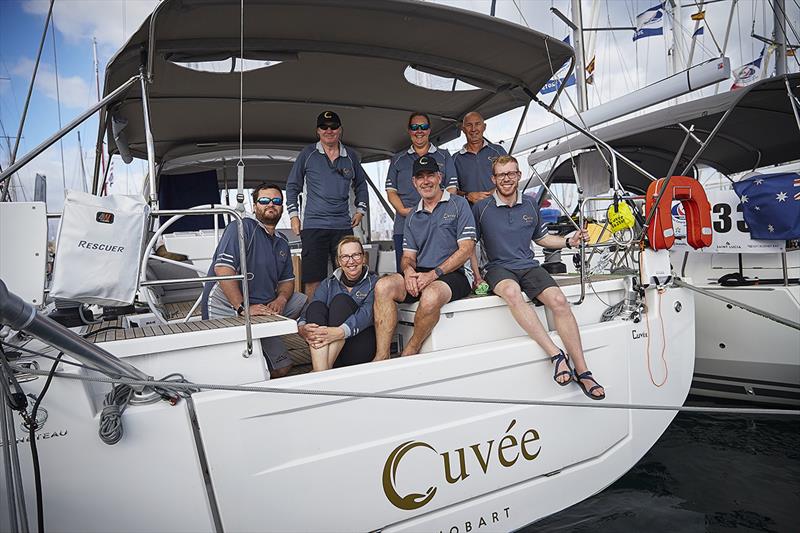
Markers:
point(329, 126)
point(418, 127)
point(266, 201)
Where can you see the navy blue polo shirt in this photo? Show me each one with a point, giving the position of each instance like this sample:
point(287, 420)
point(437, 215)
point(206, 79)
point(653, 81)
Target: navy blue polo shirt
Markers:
point(399, 177)
point(507, 232)
point(475, 170)
point(326, 185)
point(269, 261)
point(434, 236)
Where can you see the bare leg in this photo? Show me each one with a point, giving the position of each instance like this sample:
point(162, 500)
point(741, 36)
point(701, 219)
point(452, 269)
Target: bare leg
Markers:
point(567, 328)
point(434, 296)
point(309, 289)
point(319, 358)
point(509, 290)
point(333, 351)
point(388, 291)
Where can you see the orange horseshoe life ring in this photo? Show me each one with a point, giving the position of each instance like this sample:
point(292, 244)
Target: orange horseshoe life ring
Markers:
point(691, 194)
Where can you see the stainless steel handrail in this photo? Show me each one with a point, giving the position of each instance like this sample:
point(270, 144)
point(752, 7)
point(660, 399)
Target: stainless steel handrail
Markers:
point(176, 215)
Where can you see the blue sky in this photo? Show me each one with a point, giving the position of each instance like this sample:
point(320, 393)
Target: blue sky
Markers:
point(621, 67)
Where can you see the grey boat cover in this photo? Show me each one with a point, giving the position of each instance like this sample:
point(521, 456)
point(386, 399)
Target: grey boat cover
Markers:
point(760, 131)
point(348, 56)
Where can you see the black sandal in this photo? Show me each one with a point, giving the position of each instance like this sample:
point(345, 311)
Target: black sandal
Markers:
point(557, 359)
point(588, 375)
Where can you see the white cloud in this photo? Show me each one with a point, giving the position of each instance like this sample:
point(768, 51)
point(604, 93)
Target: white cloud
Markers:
point(73, 91)
point(110, 21)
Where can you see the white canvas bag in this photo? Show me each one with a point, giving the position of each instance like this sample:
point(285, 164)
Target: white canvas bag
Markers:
point(99, 249)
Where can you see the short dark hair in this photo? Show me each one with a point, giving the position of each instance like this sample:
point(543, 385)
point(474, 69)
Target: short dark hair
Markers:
point(265, 185)
point(418, 114)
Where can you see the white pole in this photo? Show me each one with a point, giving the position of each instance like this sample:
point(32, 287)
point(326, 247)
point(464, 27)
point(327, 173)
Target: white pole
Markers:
point(580, 61)
point(779, 35)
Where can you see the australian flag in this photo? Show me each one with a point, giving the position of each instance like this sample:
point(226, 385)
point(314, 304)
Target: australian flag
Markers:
point(771, 205)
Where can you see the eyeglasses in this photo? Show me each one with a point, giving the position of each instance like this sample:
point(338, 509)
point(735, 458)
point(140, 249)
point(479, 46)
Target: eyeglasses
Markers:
point(418, 127)
point(266, 201)
point(346, 258)
point(329, 126)
point(508, 175)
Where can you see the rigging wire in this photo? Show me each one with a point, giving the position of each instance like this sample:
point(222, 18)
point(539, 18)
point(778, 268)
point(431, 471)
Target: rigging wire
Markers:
point(189, 387)
point(58, 105)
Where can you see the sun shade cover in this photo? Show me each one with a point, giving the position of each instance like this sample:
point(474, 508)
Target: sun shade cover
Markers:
point(347, 56)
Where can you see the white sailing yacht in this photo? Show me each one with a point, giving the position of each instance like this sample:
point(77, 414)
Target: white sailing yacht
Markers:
point(471, 434)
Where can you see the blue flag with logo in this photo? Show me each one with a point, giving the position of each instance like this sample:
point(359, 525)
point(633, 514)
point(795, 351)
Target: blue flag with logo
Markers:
point(771, 205)
point(650, 22)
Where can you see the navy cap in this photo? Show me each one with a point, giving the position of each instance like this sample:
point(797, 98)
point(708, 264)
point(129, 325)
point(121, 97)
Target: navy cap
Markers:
point(425, 163)
point(328, 117)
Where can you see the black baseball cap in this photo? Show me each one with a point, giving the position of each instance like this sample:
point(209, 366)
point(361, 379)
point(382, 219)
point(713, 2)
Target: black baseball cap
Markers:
point(425, 163)
point(328, 117)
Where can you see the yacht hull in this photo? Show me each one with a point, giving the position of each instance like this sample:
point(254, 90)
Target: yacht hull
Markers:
point(253, 461)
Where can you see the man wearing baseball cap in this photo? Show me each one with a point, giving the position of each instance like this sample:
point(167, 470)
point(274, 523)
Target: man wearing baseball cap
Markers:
point(325, 172)
point(438, 238)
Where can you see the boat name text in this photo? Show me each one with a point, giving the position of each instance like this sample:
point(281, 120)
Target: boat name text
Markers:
point(638, 334)
point(506, 452)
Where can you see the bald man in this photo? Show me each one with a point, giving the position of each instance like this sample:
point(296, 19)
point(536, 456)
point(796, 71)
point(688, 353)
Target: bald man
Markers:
point(474, 161)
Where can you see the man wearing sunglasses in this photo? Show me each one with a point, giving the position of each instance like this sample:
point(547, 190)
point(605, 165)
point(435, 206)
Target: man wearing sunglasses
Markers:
point(270, 283)
point(399, 184)
point(325, 173)
point(438, 237)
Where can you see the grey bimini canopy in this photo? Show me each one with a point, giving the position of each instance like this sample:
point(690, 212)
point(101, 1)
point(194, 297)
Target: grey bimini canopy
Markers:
point(348, 56)
point(760, 131)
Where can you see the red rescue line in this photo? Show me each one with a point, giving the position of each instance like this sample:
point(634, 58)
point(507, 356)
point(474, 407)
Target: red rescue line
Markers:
point(695, 203)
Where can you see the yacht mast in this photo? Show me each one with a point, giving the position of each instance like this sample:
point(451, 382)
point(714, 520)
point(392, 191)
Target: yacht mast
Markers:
point(580, 60)
point(779, 35)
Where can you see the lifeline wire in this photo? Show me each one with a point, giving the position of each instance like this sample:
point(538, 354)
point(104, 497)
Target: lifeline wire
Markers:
point(189, 386)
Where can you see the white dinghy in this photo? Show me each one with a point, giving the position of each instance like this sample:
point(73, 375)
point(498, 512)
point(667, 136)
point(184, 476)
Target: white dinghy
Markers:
point(473, 434)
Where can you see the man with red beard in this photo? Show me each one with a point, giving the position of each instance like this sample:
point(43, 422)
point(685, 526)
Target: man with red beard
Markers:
point(270, 283)
point(507, 221)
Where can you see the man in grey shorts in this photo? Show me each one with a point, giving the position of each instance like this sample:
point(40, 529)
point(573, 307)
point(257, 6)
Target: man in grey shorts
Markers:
point(270, 283)
point(506, 222)
point(438, 237)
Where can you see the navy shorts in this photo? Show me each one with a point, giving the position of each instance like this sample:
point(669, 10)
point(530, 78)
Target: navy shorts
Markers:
point(457, 281)
point(319, 247)
point(532, 280)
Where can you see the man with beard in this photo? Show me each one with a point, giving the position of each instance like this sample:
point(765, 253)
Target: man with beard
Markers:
point(506, 222)
point(270, 275)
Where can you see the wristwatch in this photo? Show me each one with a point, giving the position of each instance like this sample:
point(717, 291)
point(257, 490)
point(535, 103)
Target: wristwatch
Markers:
point(439, 272)
point(240, 309)
point(566, 242)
